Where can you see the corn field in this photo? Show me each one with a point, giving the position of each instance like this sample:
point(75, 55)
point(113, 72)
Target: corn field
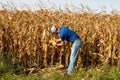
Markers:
point(25, 36)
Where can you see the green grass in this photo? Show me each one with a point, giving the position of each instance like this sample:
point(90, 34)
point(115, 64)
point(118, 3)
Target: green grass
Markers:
point(111, 73)
point(102, 72)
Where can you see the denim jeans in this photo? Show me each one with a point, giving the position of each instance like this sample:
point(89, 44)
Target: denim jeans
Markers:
point(74, 53)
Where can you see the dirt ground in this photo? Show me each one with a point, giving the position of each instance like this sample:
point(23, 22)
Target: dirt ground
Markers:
point(46, 72)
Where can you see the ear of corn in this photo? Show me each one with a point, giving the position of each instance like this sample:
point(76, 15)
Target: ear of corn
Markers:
point(52, 42)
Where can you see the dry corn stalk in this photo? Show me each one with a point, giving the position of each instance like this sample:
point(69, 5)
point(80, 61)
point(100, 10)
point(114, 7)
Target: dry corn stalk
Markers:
point(23, 35)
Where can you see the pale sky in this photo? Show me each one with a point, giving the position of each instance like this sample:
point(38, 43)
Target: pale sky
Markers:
point(96, 5)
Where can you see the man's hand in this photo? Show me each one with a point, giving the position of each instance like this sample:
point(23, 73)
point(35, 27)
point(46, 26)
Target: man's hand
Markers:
point(57, 40)
point(54, 44)
point(59, 43)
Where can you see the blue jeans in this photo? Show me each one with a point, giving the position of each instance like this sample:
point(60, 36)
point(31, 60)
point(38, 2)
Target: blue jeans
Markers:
point(74, 52)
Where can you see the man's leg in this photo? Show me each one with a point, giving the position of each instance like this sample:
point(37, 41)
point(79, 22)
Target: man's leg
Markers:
point(74, 52)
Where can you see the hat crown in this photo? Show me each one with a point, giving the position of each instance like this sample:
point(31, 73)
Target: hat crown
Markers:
point(53, 29)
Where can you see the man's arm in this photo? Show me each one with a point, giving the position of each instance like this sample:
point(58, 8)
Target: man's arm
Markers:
point(59, 42)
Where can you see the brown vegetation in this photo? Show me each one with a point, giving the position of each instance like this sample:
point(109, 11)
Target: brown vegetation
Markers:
point(24, 35)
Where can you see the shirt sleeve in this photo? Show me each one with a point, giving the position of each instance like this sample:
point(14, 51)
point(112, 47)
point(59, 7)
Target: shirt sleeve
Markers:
point(63, 38)
point(63, 35)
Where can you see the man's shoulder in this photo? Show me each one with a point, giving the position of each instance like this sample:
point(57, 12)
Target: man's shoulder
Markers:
point(63, 29)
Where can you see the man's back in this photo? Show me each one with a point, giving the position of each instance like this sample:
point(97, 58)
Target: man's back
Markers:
point(67, 34)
